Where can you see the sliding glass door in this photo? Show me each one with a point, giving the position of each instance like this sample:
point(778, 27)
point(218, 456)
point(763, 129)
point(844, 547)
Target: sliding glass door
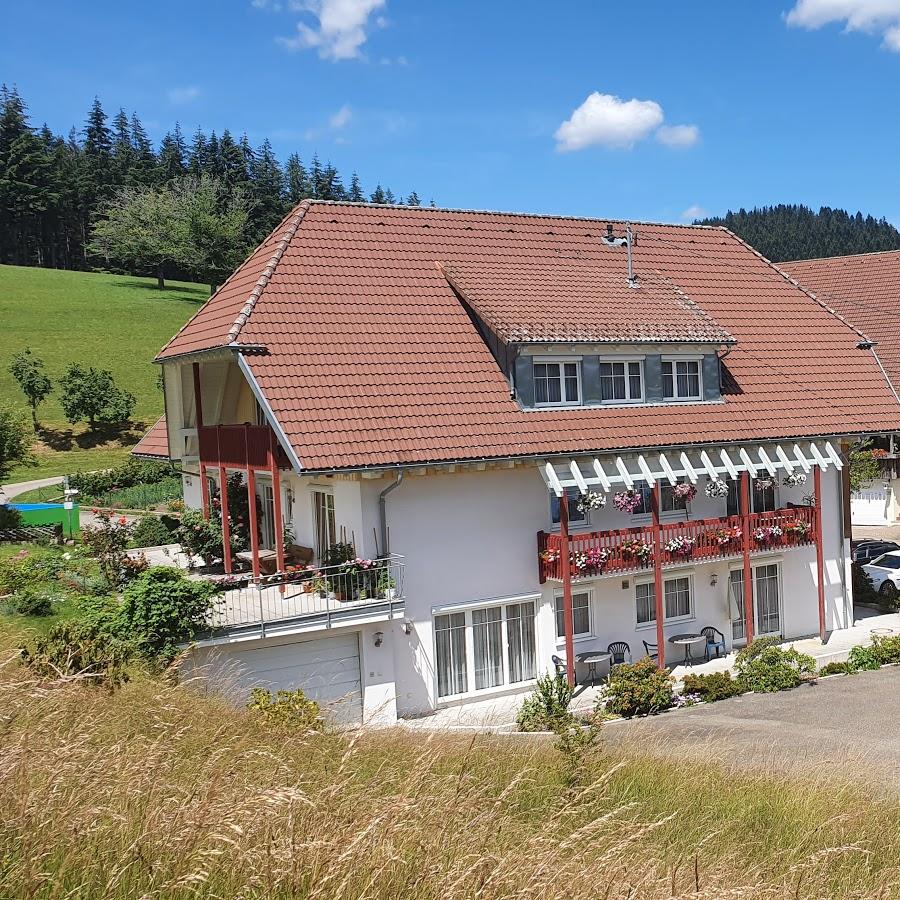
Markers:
point(766, 601)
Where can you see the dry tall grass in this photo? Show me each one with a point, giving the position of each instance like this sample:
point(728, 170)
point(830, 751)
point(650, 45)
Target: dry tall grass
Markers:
point(157, 792)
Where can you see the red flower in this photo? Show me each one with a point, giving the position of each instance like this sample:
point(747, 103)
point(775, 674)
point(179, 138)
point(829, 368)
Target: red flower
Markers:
point(122, 520)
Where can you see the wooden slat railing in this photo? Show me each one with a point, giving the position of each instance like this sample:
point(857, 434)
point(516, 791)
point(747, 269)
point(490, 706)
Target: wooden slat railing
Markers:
point(624, 550)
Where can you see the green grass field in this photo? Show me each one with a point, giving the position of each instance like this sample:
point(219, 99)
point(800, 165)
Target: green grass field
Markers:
point(115, 322)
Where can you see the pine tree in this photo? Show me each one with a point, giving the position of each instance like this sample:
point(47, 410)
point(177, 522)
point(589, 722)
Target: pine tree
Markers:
point(378, 195)
point(233, 164)
point(317, 178)
point(297, 184)
point(389, 196)
point(355, 193)
point(123, 156)
point(413, 199)
point(198, 159)
point(172, 155)
point(266, 192)
point(145, 162)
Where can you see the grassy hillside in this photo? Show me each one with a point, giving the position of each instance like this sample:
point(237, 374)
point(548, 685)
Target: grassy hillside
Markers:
point(158, 791)
point(114, 322)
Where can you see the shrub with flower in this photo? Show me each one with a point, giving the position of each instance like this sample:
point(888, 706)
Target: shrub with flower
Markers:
point(589, 562)
point(634, 547)
point(795, 479)
point(716, 489)
point(108, 541)
point(796, 528)
point(767, 534)
point(680, 546)
point(763, 484)
point(879, 453)
point(549, 556)
point(725, 536)
point(628, 501)
point(684, 491)
point(591, 500)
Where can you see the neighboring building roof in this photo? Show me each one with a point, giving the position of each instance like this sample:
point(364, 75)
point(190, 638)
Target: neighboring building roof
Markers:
point(155, 443)
point(556, 297)
point(372, 360)
point(865, 290)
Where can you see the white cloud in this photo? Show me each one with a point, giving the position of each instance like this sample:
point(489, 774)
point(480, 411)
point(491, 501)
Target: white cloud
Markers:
point(340, 118)
point(341, 30)
point(678, 135)
point(870, 16)
point(694, 212)
point(181, 95)
point(609, 121)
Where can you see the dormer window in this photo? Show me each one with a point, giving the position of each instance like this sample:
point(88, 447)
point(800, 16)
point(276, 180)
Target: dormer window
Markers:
point(681, 379)
point(557, 383)
point(621, 381)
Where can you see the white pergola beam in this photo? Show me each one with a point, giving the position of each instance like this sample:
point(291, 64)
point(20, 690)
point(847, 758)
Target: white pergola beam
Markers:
point(553, 480)
point(728, 463)
point(748, 462)
point(834, 456)
point(690, 471)
point(623, 471)
point(801, 459)
point(711, 469)
point(785, 459)
point(645, 469)
point(823, 463)
point(670, 472)
point(602, 477)
point(770, 467)
point(579, 478)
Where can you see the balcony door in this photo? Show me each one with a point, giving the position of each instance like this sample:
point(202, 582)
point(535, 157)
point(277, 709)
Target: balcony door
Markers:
point(324, 523)
point(766, 601)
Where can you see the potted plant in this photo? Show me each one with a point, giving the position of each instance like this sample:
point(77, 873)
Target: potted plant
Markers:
point(628, 501)
point(590, 500)
point(767, 535)
point(716, 488)
point(684, 491)
point(680, 547)
point(725, 536)
point(795, 479)
point(636, 548)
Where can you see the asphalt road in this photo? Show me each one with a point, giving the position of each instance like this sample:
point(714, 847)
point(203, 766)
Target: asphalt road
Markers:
point(838, 726)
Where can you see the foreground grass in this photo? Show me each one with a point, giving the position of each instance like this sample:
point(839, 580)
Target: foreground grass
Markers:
point(115, 322)
point(159, 791)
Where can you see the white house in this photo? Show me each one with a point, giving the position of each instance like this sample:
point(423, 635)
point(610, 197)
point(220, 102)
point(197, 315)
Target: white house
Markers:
point(427, 385)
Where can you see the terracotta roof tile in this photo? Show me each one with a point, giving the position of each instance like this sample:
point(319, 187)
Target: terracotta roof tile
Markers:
point(155, 443)
point(373, 360)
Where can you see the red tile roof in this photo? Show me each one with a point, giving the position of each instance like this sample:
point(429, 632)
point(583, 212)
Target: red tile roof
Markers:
point(372, 359)
point(865, 289)
point(155, 443)
point(557, 297)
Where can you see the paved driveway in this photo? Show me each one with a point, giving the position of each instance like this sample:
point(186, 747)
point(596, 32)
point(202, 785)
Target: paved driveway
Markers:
point(840, 725)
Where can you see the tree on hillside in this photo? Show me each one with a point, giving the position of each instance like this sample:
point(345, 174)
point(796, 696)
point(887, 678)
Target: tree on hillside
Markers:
point(28, 370)
point(139, 230)
point(15, 439)
point(92, 395)
point(787, 232)
point(214, 224)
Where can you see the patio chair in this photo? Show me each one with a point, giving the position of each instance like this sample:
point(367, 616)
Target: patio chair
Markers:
point(620, 651)
point(651, 650)
point(559, 663)
point(715, 640)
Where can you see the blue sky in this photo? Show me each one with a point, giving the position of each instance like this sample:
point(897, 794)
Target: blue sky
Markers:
point(504, 105)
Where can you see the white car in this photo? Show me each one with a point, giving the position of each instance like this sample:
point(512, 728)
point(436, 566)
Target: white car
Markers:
point(885, 574)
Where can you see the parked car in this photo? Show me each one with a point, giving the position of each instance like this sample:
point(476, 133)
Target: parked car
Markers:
point(866, 551)
point(885, 574)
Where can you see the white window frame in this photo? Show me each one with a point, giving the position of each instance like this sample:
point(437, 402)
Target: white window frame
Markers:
point(559, 363)
point(758, 561)
point(625, 360)
point(669, 515)
point(505, 685)
point(576, 635)
point(667, 620)
point(674, 397)
point(317, 489)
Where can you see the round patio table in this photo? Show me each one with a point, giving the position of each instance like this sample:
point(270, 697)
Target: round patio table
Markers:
point(592, 658)
point(687, 641)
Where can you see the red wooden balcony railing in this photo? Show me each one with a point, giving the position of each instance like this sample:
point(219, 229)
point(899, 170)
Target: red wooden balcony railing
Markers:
point(596, 553)
point(239, 446)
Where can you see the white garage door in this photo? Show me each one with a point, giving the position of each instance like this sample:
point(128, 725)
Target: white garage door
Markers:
point(869, 505)
point(327, 669)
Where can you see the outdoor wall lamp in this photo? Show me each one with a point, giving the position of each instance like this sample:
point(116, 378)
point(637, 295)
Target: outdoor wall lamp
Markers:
point(406, 625)
point(713, 579)
point(379, 638)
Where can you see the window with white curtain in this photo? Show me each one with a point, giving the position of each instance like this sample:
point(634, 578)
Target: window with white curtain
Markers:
point(621, 382)
point(681, 379)
point(324, 522)
point(678, 600)
point(645, 600)
point(677, 596)
point(581, 615)
point(556, 383)
point(484, 648)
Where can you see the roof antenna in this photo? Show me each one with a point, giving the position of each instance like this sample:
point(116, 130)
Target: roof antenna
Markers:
point(628, 242)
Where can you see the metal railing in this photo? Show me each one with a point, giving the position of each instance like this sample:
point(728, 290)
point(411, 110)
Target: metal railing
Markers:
point(623, 550)
point(317, 594)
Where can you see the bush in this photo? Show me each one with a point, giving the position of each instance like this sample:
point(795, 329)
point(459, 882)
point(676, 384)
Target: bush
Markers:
point(547, 709)
point(130, 473)
point(150, 531)
point(288, 710)
point(140, 496)
point(887, 649)
point(638, 689)
point(162, 608)
point(10, 517)
point(108, 541)
point(863, 589)
point(863, 658)
point(712, 687)
point(836, 668)
point(81, 649)
point(30, 602)
point(202, 537)
point(770, 668)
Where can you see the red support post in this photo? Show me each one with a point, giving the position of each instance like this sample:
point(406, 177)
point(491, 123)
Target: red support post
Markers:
point(655, 505)
point(226, 527)
point(251, 503)
point(744, 506)
point(820, 551)
point(276, 497)
point(568, 624)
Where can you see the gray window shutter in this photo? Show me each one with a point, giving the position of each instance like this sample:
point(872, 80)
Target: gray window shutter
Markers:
point(590, 380)
point(653, 378)
point(524, 380)
point(711, 387)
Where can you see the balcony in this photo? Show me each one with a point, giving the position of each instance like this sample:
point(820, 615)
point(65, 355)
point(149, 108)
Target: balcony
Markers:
point(309, 598)
point(595, 554)
point(239, 446)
